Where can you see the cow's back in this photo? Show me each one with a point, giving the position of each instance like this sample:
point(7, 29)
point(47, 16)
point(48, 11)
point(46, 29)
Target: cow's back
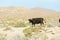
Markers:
point(37, 20)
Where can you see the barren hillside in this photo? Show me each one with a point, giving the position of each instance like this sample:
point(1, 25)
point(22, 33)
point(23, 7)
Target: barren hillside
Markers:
point(26, 12)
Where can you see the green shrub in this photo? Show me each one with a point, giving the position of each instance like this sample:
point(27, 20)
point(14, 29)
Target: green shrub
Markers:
point(28, 31)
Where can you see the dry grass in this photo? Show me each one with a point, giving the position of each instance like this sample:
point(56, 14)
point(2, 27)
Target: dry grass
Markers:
point(18, 17)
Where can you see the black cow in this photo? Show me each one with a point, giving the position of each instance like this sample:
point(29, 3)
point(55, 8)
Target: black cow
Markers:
point(59, 20)
point(36, 21)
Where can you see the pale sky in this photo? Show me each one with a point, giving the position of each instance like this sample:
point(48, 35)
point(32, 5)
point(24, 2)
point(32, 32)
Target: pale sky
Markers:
point(49, 4)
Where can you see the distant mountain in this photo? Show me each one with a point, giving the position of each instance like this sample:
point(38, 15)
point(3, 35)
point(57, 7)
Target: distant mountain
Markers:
point(26, 12)
point(42, 12)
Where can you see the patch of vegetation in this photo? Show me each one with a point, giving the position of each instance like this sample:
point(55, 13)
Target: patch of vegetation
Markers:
point(7, 28)
point(19, 24)
point(15, 22)
point(28, 31)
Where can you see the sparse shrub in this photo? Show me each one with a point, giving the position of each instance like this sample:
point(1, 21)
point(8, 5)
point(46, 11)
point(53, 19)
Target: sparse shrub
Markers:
point(11, 23)
point(28, 31)
point(7, 28)
point(19, 24)
point(16, 22)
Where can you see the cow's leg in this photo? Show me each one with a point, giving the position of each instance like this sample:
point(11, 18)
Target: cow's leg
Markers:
point(41, 24)
point(33, 25)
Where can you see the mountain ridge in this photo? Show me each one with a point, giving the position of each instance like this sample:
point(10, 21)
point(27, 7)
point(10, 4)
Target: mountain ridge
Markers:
point(26, 12)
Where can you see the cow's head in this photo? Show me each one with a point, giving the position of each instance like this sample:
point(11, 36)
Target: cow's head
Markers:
point(30, 20)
